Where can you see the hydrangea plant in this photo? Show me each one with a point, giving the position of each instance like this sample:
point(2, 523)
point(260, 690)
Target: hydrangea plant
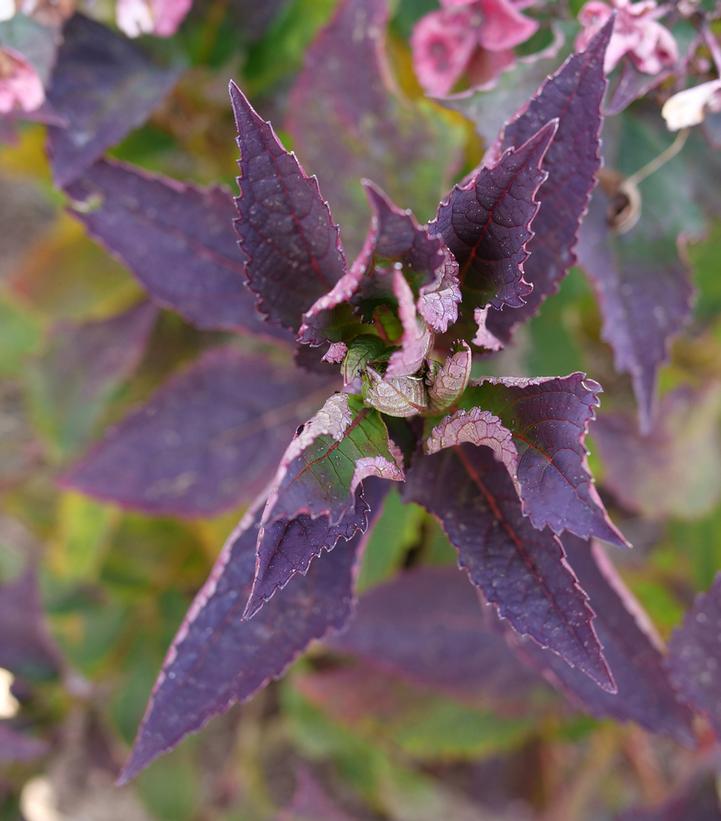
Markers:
point(501, 462)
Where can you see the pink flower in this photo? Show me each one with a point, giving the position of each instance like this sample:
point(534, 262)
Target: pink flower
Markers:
point(443, 43)
point(637, 33)
point(21, 88)
point(472, 37)
point(159, 17)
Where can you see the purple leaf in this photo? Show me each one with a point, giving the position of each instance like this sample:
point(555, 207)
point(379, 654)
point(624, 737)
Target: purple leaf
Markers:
point(18, 747)
point(490, 106)
point(675, 470)
point(314, 500)
point(519, 569)
point(287, 548)
point(103, 86)
point(85, 362)
point(427, 625)
point(178, 240)
point(549, 419)
point(218, 659)
point(348, 123)
point(645, 294)
point(486, 223)
point(205, 441)
point(290, 245)
point(630, 646)
point(573, 95)
point(694, 660)
point(26, 648)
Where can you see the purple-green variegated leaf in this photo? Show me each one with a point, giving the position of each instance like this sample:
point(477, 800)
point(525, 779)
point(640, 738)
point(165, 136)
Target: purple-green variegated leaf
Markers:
point(520, 570)
point(103, 86)
point(449, 381)
point(675, 469)
point(348, 122)
point(573, 95)
point(17, 747)
point(549, 419)
point(84, 364)
point(177, 239)
point(316, 497)
point(288, 241)
point(486, 223)
point(206, 441)
point(426, 625)
point(694, 659)
point(631, 648)
point(218, 659)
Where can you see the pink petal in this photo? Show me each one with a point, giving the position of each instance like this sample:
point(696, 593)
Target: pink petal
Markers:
point(134, 17)
point(503, 26)
point(21, 88)
point(169, 14)
point(649, 45)
point(159, 17)
point(486, 65)
point(442, 44)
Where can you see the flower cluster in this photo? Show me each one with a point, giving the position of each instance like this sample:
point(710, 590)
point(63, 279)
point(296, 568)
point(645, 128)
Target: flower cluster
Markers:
point(159, 17)
point(21, 88)
point(636, 34)
point(474, 38)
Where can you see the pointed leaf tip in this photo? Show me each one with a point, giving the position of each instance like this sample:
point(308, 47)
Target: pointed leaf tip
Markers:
point(573, 94)
point(520, 570)
point(487, 223)
point(217, 659)
point(549, 418)
point(290, 244)
point(316, 499)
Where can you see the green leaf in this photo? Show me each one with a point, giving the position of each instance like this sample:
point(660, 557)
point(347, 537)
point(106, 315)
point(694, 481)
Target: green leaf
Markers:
point(20, 334)
point(397, 529)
